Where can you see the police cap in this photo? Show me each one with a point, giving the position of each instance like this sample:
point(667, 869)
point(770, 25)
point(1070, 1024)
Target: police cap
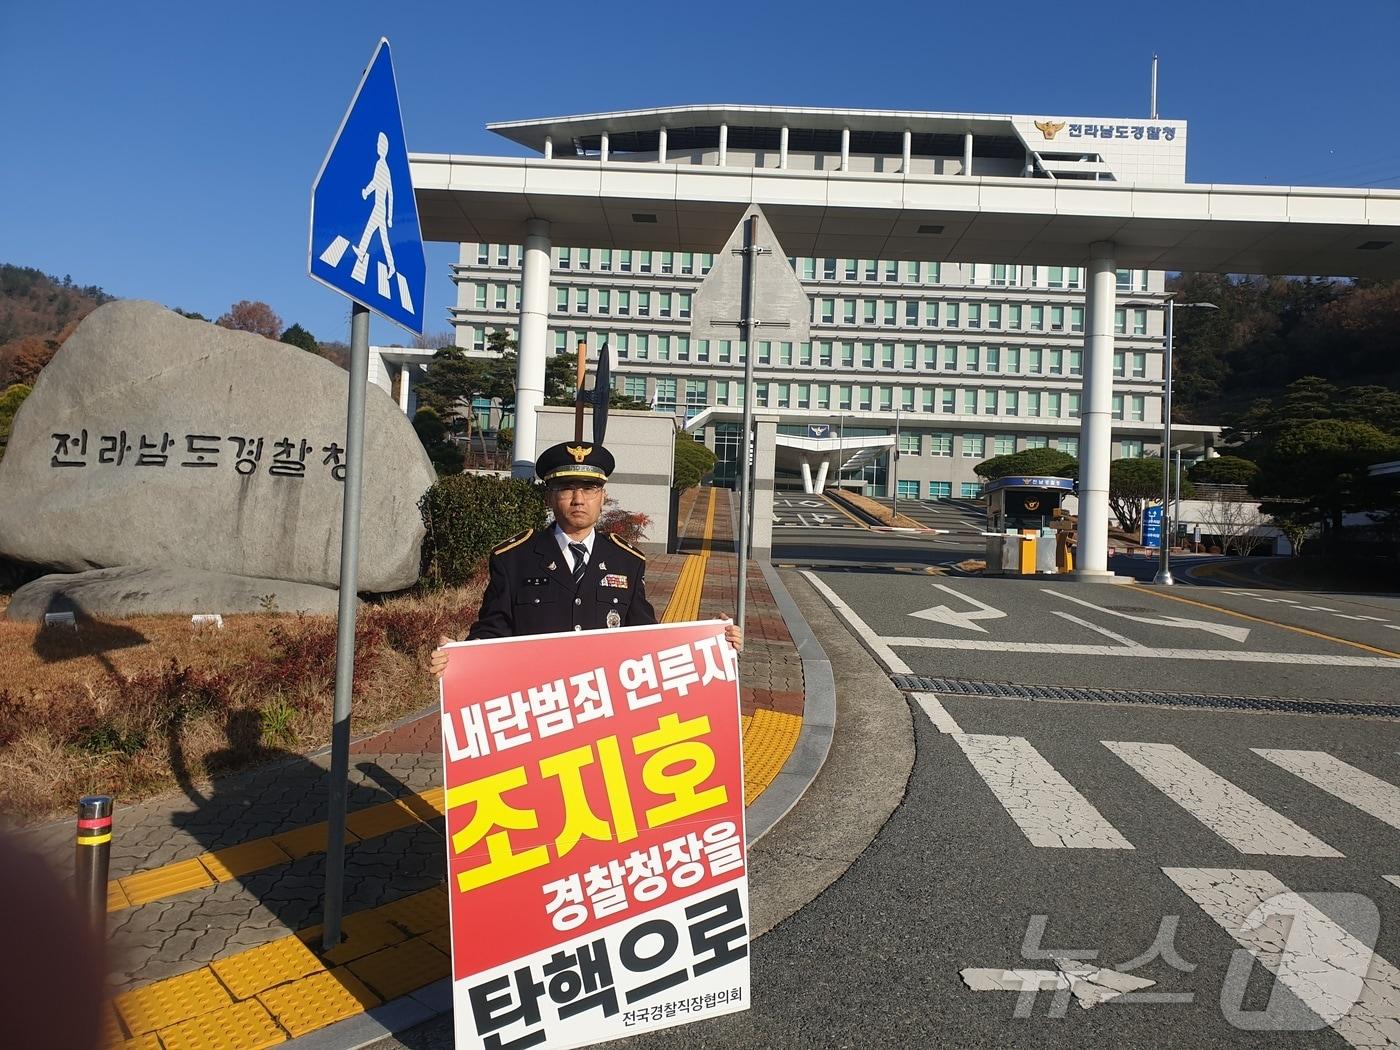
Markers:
point(574, 461)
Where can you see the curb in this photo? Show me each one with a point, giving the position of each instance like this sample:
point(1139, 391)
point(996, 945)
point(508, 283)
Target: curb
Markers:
point(801, 768)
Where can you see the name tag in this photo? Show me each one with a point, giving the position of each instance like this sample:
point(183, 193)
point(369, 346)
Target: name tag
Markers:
point(614, 580)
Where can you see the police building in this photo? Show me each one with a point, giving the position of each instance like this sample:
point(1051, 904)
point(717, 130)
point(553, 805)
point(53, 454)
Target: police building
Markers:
point(977, 359)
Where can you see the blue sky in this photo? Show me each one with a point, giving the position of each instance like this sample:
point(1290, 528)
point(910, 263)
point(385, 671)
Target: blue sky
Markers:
point(166, 151)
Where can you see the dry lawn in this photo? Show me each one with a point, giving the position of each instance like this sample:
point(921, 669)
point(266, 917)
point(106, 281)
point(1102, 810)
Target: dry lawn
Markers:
point(127, 707)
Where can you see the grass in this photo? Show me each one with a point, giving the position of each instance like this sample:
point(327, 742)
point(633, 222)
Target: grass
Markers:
point(130, 707)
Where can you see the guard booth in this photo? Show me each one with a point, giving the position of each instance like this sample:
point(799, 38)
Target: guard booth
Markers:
point(1027, 529)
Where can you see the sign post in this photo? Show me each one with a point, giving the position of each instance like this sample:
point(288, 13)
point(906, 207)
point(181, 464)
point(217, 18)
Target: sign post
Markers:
point(363, 215)
point(1152, 526)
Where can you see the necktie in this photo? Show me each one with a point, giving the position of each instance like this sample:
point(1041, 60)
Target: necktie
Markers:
point(580, 553)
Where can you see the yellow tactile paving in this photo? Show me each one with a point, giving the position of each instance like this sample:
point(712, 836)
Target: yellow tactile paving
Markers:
point(361, 933)
point(419, 912)
point(399, 970)
point(380, 820)
point(149, 1041)
point(685, 599)
point(170, 1001)
point(303, 842)
point(162, 882)
point(426, 805)
point(237, 861)
point(441, 939)
point(248, 973)
point(116, 897)
point(769, 739)
point(112, 1032)
point(317, 1001)
point(243, 1026)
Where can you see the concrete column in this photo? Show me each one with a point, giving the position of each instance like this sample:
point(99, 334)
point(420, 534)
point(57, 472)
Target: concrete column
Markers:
point(967, 153)
point(820, 484)
point(661, 146)
point(845, 148)
point(764, 461)
point(404, 373)
point(603, 148)
point(723, 144)
point(1096, 415)
point(534, 335)
point(549, 147)
point(908, 144)
point(807, 477)
point(782, 147)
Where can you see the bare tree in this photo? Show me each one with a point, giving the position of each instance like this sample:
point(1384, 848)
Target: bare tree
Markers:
point(1237, 522)
point(435, 340)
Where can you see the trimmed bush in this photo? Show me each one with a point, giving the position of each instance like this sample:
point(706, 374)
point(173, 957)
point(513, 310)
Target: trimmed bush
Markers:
point(468, 514)
point(693, 462)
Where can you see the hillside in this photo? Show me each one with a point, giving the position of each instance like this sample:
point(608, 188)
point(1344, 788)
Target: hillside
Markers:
point(37, 312)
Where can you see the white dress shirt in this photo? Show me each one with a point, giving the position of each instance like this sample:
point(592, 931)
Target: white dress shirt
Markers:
point(561, 538)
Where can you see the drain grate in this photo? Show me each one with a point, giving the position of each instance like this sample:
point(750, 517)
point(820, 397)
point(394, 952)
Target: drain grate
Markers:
point(1003, 690)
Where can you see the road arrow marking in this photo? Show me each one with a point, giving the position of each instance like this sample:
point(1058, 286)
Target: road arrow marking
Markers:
point(1089, 985)
point(943, 614)
point(1235, 634)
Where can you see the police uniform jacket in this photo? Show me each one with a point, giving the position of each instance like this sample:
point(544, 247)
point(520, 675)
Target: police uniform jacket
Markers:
point(531, 589)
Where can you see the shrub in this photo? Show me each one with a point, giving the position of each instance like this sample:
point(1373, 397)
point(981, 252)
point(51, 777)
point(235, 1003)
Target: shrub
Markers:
point(468, 514)
point(627, 525)
point(693, 461)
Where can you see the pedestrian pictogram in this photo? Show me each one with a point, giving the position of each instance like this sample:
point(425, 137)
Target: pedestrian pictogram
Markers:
point(365, 238)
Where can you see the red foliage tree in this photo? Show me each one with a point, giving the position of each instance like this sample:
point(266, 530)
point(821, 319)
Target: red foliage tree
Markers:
point(249, 315)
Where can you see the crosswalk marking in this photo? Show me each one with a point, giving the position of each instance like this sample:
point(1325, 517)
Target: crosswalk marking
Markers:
point(1370, 794)
point(1394, 880)
point(1337, 976)
point(1044, 805)
point(937, 714)
point(1143, 652)
point(1232, 813)
point(862, 630)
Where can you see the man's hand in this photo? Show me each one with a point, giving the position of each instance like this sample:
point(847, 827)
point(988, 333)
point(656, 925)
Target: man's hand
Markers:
point(733, 634)
point(437, 663)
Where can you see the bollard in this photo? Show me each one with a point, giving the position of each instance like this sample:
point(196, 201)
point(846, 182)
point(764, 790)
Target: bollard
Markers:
point(93, 856)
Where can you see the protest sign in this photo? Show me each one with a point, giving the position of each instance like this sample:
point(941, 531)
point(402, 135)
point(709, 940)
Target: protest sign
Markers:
point(595, 834)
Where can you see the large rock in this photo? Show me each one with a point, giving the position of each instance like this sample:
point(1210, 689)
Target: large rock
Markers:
point(139, 591)
point(151, 439)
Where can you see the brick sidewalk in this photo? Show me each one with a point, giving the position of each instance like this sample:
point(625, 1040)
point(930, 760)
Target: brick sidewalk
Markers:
point(209, 920)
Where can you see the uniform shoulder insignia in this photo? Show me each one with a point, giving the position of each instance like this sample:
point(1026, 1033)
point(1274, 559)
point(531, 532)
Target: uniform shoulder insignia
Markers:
point(514, 541)
point(625, 545)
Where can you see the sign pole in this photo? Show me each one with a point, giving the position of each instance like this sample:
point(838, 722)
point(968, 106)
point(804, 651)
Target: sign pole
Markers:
point(747, 452)
point(334, 904)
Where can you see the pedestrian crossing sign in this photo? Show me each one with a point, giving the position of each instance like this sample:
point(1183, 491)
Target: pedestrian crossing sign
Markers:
point(365, 241)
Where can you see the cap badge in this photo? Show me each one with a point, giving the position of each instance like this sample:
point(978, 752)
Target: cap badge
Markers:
point(579, 452)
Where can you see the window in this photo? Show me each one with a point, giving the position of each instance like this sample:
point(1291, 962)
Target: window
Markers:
point(1057, 318)
point(869, 311)
point(974, 315)
point(478, 338)
point(580, 300)
point(1076, 318)
point(624, 302)
point(1002, 274)
point(1056, 278)
point(891, 317)
point(1130, 449)
point(931, 357)
point(481, 297)
point(891, 271)
point(687, 263)
point(1076, 362)
point(971, 489)
point(809, 269)
point(974, 358)
point(784, 395)
point(911, 272)
point(906, 398)
point(503, 255)
point(668, 262)
point(848, 311)
point(1037, 441)
point(994, 359)
point(605, 301)
point(824, 354)
point(1136, 408)
point(1125, 280)
point(1013, 399)
point(989, 402)
point(500, 291)
point(1053, 399)
point(1057, 362)
point(940, 444)
point(1003, 444)
point(684, 305)
point(624, 260)
point(1069, 446)
point(561, 300)
point(643, 342)
point(605, 258)
point(1139, 366)
point(933, 274)
point(1118, 359)
point(886, 398)
point(1013, 359)
point(1139, 321)
point(872, 269)
point(974, 446)
point(824, 395)
point(940, 490)
point(1120, 321)
point(1013, 319)
point(828, 269)
point(950, 358)
point(707, 260)
point(643, 304)
point(887, 356)
point(1032, 402)
point(951, 320)
point(826, 311)
point(765, 352)
point(848, 355)
point(948, 400)
point(804, 395)
point(1117, 406)
point(1074, 405)
point(561, 342)
point(910, 443)
point(928, 393)
point(970, 402)
point(910, 355)
point(994, 315)
point(565, 258)
point(931, 314)
point(635, 387)
point(1037, 361)
point(867, 355)
point(867, 398)
point(483, 255)
point(907, 489)
point(1037, 318)
point(644, 262)
point(663, 348)
point(622, 344)
point(844, 396)
point(666, 395)
point(664, 305)
point(785, 355)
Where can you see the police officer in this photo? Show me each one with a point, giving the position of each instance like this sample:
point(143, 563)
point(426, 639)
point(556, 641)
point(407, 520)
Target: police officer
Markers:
point(568, 577)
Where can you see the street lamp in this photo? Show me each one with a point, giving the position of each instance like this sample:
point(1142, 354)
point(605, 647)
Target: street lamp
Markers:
point(1164, 568)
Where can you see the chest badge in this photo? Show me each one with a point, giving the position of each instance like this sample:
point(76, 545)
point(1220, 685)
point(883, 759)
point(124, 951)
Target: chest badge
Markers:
point(615, 579)
point(614, 618)
point(553, 566)
point(602, 567)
